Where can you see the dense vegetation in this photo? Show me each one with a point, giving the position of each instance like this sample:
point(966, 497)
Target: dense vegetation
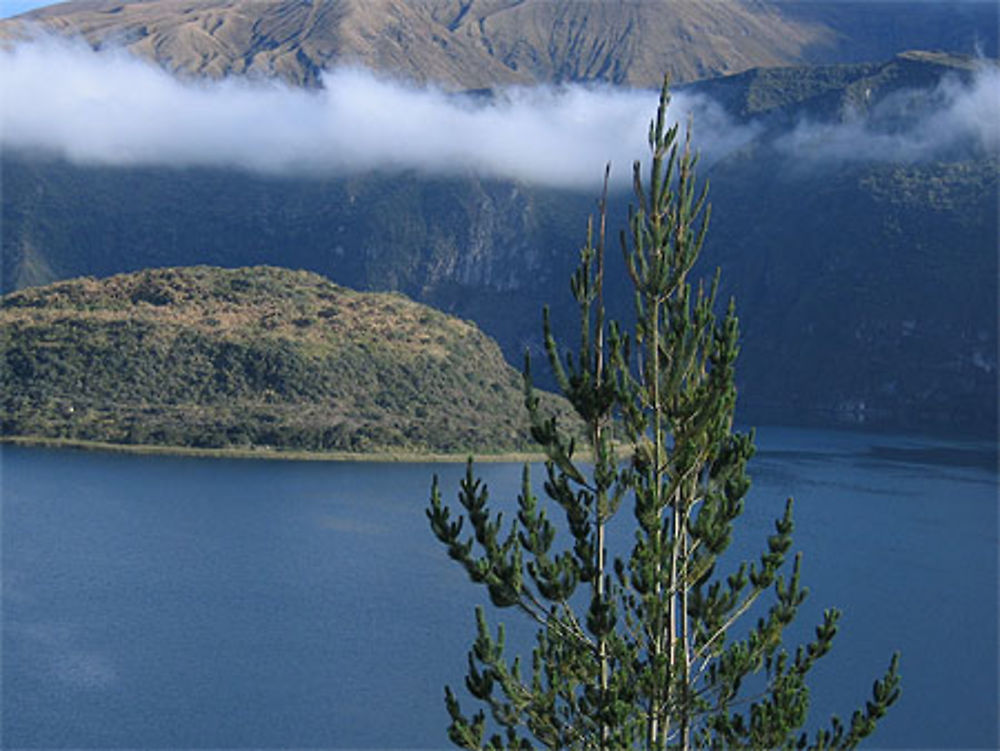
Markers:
point(872, 284)
point(658, 659)
point(252, 357)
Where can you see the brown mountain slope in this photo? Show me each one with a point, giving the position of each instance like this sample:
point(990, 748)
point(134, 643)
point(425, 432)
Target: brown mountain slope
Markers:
point(633, 43)
point(456, 43)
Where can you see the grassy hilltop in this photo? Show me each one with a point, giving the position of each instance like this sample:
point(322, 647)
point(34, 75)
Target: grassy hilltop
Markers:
point(254, 357)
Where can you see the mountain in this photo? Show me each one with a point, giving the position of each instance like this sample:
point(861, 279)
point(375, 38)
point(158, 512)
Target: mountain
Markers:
point(469, 246)
point(250, 358)
point(865, 30)
point(863, 250)
point(866, 282)
point(868, 297)
point(465, 44)
point(473, 44)
point(782, 97)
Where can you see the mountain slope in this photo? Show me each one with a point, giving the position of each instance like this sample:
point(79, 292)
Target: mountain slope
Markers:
point(867, 297)
point(473, 44)
point(863, 30)
point(247, 358)
point(828, 91)
point(867, 286)
point(634, 43)
point(460, 44)
point(859, 235)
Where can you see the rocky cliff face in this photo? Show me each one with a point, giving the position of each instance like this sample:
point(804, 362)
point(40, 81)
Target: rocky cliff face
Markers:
point(457, 243)
point(471, 233)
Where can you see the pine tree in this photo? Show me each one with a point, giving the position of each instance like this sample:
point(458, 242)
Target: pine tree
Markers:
point(644, 651)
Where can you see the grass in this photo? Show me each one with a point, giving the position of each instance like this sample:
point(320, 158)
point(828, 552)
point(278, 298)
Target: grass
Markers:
point(270, 453)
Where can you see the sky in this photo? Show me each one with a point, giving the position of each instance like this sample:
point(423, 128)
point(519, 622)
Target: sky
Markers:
point(62, 98)
point(13, 7)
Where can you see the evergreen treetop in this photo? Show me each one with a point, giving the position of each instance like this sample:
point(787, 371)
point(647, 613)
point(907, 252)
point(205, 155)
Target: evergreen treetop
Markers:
point(642, 651)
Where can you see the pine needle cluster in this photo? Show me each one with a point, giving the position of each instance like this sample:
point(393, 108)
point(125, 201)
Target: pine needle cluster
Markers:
point(642, 651)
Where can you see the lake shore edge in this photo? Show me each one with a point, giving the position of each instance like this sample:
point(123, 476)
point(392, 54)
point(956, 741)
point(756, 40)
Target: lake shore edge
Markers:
point(272, 454)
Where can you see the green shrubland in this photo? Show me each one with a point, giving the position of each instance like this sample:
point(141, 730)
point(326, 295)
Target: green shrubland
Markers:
point(253, 357)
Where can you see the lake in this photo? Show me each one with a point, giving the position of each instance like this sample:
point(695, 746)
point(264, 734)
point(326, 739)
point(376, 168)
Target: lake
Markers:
point(155, 602)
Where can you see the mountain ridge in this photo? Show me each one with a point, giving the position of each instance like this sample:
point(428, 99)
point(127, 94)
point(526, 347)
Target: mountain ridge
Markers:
point(459, 44)
point(476, 44)
point(904, 252)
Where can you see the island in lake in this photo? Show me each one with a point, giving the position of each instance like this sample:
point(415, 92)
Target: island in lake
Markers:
point(252, 359)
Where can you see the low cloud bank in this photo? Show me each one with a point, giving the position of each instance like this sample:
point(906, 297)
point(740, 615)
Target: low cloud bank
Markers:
point(109, 108)
point(908, 126)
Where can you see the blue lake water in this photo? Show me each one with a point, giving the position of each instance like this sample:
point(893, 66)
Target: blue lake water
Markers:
point(157, 602)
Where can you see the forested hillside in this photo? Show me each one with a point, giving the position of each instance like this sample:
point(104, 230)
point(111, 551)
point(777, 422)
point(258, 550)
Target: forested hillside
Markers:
point(255, 358)
point(869, 274)
point(854, 203)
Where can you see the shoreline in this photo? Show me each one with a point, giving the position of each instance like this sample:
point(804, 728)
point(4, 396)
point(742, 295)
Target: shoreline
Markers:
point(273, 454)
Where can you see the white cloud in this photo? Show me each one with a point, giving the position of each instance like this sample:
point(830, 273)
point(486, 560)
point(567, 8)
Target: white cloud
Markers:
point(110, 108)
point(63, 98)
point(908, 126)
